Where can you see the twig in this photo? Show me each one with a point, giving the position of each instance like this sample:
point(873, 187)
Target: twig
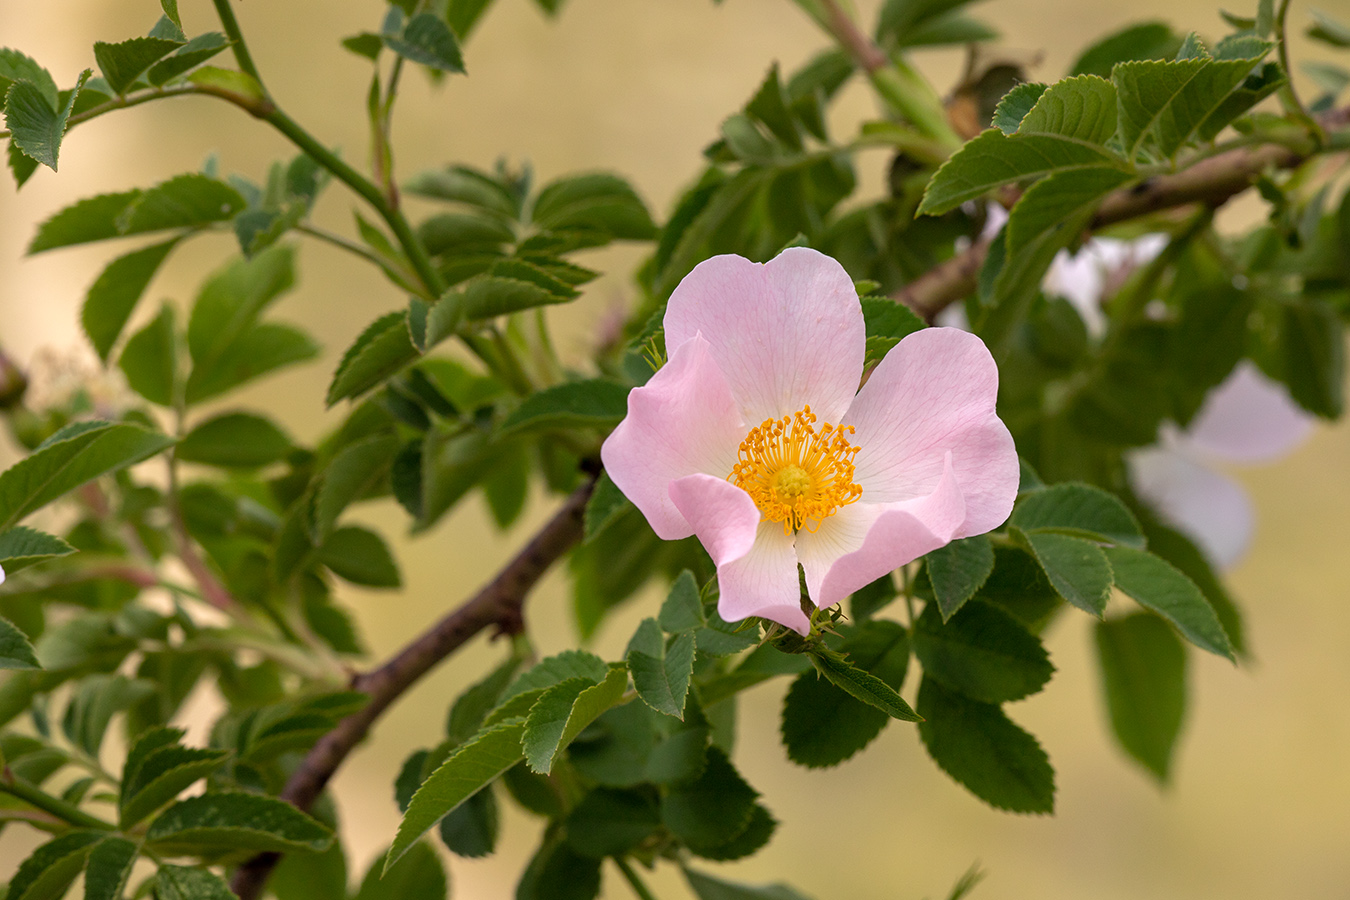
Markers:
point(498, 603)
point(1213, 181)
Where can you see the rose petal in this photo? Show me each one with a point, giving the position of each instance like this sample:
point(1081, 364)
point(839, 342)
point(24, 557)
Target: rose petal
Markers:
point(1210, 507)
point(785, 334)
point(934, 394)
point(680, 422)
point(862, 542)
point(763, 582)
point(721, 514)
point(1248, 419)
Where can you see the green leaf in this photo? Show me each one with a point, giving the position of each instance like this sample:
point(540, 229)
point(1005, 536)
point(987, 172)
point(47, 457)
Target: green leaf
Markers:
point(1312, 341)
point(48, 872)
point(472, 829)
point(115, 292)
point(563, 710)
point(1049, 216)
point(122, 63)
point(487, 298)
point(662, 681)
point(1080, 510)
point(235, 440)
point(15, 651)
point(596, 403)
point(980, 747)
point(239, 87)
point(864, 686)
point(427, 40)
point(1182, 552)
point(21, 547)
point(682, 609)
point(190, 883)
point(468, 770)
point(597, 201)
point(418, 876)
point(302, 876)
point(235, 821)
point(355, 473)
point(233, 298)
point(1156, 585)
point(16, 66)
point(170, 8)
point(958, 570)
point(604, 507)
point(260, 350)
point(1147, 40)
point(360, 556)
point(150, 359)
point(1164, 104)
point(66, 460)
point(712, 810)
point(611, 822)
point(184, 201)
point(1077, 568)
point(463, 184)
point(161, 775)
point(550, 671)
point(90, 219)
point(20, 164)
point(1015, 105)
point(36, 125)
point(187, 57)
point(1144, 677)
point(556, 872)
point(994, 159)
point(1082, 107)
point(981, 652)
point(94, 702)
point(380, 351)
point(706, 887)
point(1328, 30)
point(109, 869)
point(471, 707)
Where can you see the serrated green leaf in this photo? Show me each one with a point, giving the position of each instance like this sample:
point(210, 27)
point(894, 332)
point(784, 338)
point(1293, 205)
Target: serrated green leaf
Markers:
point(261, 350)
point(233, 298)
point(1015, 105)
point(706, 887)
point(90, 219)
point(958, 570)
point(184, 201)
point(16, 66)
point(563, 710)
point(1156, 585)
point(980, 747)
point(150, 359)
point(234, 440)
point(1147, 40)
point(464, 184)
point(47, 873)
point(115, 292)
point(468, 770)
point(1143, 665)
point(21, 165)
point(162, 775)
point(1312, 345)
point(1166, 103)
point(598, 201)
point(354, 473)
point(93, 703)
point(713, 809)
point(109, 868)
point(235, 821)
point(190, 883)
point(604, 507)
point(662, 681)
point(471, 830)
point(35, 125)
point(682, 609)
point(1082, 107)
point(1049, 216)
point(69, 458)
point(1182, 552)
point(610, 822)
point(994, 159)
point(883, 317)
point(1252, 91)
point(1078, 569)
point(554, 670)
point(981, 652)
point(1081, 510)
point(596, 403)
point(22, 546)
point(122, 63)
point(427, 40)
point(15, 651)
point(420, 875)
point(360, 556)
point(864, 686)
point(383, 349)
point(187, 57)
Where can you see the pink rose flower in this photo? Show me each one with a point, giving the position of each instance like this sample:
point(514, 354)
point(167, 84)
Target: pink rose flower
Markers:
point(756, 438)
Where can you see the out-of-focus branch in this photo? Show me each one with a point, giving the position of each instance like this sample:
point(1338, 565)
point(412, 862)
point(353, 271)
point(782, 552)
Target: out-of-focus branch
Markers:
point(499, 603)
point(1213, 181)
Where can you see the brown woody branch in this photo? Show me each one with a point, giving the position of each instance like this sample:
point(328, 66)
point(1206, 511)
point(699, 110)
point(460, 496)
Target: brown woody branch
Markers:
point(1212, 181)
point(499, 603)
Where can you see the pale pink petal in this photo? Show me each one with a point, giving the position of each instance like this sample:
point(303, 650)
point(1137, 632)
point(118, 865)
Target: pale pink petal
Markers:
point(1207, 505)
point(721, 514)
point(1082, 278)
point(932, 395)
point(1248, 419)
point(763, 582)
point(862, 542)
point(680, 422)
point(786, 333)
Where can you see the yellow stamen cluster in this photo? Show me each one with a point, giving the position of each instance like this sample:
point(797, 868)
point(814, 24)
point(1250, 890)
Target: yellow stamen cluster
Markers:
point(795, 474)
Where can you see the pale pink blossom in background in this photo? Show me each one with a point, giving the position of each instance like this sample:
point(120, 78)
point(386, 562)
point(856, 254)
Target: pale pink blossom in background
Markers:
point(756, 438)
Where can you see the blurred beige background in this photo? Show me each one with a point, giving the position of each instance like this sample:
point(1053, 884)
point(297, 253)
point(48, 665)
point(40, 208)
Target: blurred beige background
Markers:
point(1260, 807)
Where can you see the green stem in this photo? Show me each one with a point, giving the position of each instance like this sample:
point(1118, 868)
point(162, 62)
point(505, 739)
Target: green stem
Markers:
point(338, 240)
point(126, 103)
point(240, 48)
point(631, 876)
point(29, 793)
point(1288, 96)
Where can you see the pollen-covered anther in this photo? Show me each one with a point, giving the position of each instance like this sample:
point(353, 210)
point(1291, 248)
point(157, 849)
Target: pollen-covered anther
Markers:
point(796, 474)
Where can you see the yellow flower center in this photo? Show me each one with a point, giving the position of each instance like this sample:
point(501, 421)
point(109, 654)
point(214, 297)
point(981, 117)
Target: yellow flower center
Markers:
point(795, 474)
